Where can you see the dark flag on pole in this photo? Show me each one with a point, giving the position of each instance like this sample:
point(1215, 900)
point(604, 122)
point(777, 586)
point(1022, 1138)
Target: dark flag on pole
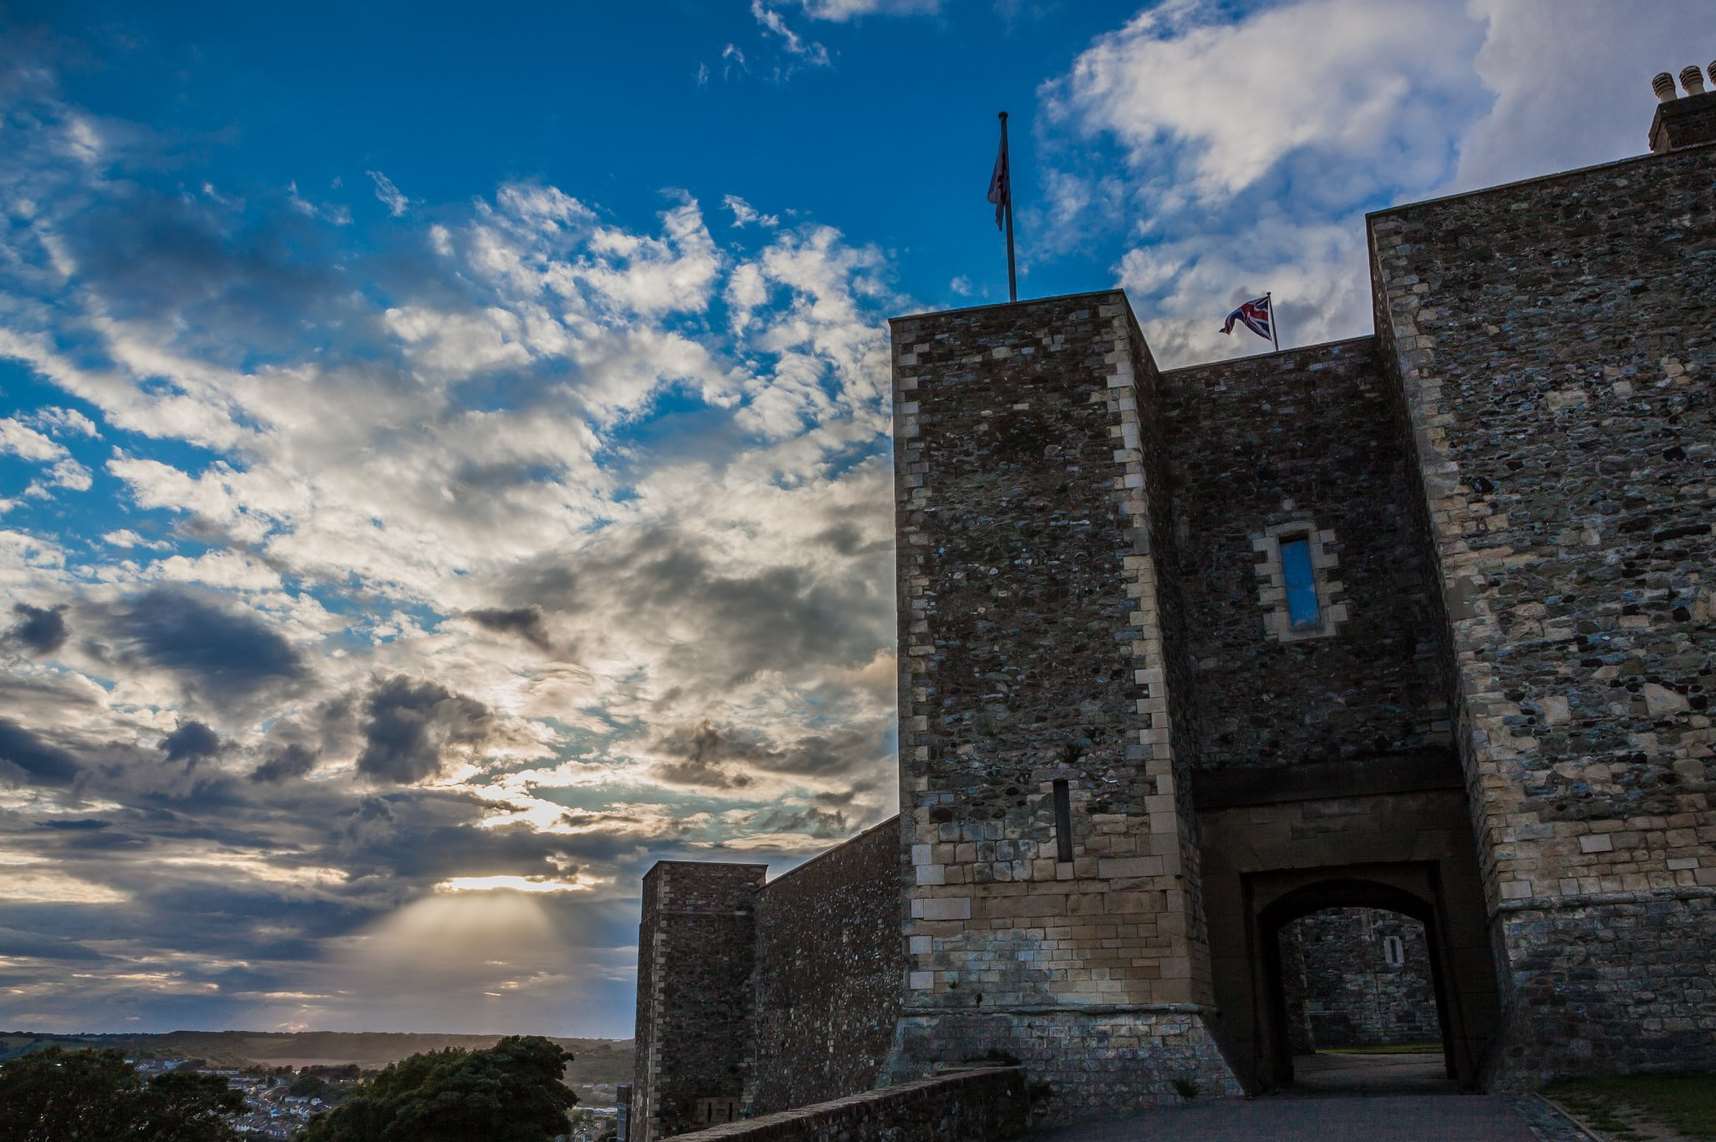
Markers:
point(1001, 194)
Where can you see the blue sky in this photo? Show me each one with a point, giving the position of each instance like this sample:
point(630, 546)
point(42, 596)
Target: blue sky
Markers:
point(444, 454)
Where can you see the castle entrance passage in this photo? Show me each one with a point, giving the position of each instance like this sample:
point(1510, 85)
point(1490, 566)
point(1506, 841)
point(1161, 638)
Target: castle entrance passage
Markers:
point(1356, 989)
point(1279, 847)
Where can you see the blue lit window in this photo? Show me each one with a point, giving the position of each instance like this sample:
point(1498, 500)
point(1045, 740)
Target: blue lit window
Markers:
point(1302, 611)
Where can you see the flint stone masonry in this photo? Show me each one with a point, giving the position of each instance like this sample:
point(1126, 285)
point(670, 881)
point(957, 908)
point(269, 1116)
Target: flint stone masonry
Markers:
point(763, 996)
point(1341, 988)
point(979, 1105)
point(1554, 345)
point(1307, 436)
point(1040, 631)
point(826, 991)
point(695, 952)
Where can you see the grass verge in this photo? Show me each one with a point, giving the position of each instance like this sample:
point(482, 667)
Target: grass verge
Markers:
point(1684, 1103)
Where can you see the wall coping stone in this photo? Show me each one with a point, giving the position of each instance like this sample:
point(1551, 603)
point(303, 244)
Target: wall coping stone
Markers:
point(1110, 292)
point(1576, 172)
point(1251, 358)
point(891, 822)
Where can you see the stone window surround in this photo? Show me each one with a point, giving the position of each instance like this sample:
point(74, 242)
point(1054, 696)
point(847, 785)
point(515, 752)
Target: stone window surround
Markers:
point(1272, 584)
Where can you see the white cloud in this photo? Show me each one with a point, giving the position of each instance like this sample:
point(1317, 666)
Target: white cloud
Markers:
point(1252, 146)
point(125, 537)
point(809, 51)
point(337, 214)
point(744, 214)
point(65, 420)
point(26, 443)
point(839, 11)
point(1571, 82)
point(475, 477)
point(1340, 77)
point(389, 195)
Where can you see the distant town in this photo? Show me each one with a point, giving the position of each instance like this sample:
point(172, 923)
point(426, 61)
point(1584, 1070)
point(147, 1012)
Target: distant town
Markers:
point(287, 1079)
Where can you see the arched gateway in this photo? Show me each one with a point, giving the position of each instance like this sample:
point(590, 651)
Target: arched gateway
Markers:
point(1417, 621)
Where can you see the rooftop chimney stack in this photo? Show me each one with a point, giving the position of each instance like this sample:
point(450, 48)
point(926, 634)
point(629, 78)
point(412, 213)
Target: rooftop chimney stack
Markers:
point(1683, 121)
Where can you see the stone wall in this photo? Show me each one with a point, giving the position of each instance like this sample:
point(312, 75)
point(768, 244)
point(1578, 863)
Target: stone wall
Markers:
point(1554, 344)
point(695, 951)
point(1035, 623)
point(1304, 438)
point(1343, 990)
point(830, 959)
point(982, 1105)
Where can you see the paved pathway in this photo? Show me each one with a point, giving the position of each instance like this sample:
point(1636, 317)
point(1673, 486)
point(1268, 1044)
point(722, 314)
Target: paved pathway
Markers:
point(1346, 1098)
point(1328, 1072)
point(1332, 1118)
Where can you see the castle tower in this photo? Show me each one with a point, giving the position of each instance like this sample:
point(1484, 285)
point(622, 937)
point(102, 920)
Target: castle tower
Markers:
point(696, 946)
point(1049, 847)
point(1554, 345)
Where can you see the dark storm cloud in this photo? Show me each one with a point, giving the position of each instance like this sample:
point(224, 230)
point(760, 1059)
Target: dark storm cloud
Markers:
point(29, 759)
point(191, 742)
point(78, 825)
point(250, 279)
point(221, 653)
point(783, 618)
point(525, 622)
point(809, 821)
point(848, 539)
point(409, 724)
point(41, 630)
point(727, 757)
point(294, 760)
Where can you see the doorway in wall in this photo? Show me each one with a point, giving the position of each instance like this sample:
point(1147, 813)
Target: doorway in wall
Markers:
point(1354, 979)
point(1359, 1001)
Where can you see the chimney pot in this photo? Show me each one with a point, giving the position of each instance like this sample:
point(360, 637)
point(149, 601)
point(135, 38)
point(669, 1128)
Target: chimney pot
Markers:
point(1712, 71)
point(1663, 85)
point(1692, 79)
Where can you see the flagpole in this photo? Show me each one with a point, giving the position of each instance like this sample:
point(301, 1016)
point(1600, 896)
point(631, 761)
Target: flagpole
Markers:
point(1007, 165)
point(1274, 326)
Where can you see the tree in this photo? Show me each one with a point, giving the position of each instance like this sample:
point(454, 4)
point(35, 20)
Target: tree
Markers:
point(511, 1092)
point(95, 1096)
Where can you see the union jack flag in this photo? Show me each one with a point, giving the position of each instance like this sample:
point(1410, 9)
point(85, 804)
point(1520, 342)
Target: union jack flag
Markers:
point(1255, 315)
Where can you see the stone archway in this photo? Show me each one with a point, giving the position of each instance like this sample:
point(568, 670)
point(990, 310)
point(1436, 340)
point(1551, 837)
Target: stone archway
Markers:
point(1277, 847)
point(1348, 892)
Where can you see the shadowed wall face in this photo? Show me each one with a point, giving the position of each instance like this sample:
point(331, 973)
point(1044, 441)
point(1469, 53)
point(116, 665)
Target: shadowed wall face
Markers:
point(830, 960)
point(1358, 977)
point(1554, 344)
point(1305, 443)
point(695, 953)
point(1038, 647)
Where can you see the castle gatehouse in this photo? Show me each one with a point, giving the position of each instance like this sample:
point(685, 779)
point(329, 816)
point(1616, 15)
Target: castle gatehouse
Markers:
point(1419, 622)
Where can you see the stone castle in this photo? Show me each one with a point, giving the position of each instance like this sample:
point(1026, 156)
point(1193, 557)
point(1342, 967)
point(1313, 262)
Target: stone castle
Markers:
point(1422, 622)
